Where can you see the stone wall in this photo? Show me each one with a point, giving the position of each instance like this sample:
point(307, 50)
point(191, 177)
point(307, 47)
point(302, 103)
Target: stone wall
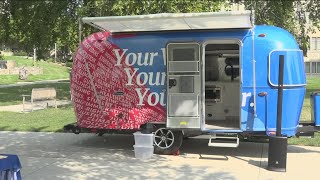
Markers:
point(4, 72)
point(30, 70)
point(7, 64)
point(9, 68)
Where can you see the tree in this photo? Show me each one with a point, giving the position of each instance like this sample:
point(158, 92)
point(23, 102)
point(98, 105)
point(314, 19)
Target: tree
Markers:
point(288, 14)
point(66, 27)
point(5, 13)
point(95, 8)
point(313, 8)
point(31, 23)
point(40, 24)
point(37, 24)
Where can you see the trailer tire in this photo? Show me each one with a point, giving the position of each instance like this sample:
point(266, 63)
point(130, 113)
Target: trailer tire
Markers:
point(167, 141)
point(76, 130)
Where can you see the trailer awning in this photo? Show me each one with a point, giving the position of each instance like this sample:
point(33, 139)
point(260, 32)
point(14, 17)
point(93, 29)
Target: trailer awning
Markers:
point(172, 21)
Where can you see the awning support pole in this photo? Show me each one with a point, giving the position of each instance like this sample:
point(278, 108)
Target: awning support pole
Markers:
point(254, 68)
point(80, 31)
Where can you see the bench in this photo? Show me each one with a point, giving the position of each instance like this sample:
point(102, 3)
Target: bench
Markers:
point(41, 94)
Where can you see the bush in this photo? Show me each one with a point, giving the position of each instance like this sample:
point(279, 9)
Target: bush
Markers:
point(69, 64)
point(50, 60)
point(20, 53)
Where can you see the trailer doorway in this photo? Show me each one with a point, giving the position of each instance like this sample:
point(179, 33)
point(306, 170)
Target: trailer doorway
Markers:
point(222, 77)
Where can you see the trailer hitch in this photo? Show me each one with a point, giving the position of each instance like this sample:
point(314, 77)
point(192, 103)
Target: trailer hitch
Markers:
point(307, 129)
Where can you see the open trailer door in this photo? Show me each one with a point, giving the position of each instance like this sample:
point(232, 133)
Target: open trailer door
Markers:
point(183, 85)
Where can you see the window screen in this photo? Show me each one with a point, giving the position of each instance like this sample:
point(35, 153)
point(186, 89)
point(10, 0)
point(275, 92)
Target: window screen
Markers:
point(307, 67)
point(187, 54)
point(183, 52)
point(313, 67)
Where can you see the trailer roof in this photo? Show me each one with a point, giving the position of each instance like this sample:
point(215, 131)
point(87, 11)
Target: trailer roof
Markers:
point(172, 21)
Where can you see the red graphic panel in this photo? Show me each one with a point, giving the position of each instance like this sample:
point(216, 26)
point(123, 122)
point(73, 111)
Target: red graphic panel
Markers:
point(102, 99)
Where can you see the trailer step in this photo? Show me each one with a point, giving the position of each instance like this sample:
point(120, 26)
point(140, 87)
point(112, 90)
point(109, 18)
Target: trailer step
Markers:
point(224, 141)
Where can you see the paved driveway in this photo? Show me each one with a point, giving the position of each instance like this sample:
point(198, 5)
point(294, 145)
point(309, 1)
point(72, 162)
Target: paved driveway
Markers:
point(86, 156)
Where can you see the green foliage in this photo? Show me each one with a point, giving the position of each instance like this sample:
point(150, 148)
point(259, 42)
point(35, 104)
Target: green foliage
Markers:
point(50, 60)
point(37, 24)
point(138, 7)
point(93, 8)
point(40, 24)
point(69, 64)
point(289, 14)
point(20, 53)
point(313, 7)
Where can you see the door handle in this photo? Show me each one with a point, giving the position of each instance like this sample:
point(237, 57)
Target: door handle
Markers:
point(172, 82)
point(262, 94)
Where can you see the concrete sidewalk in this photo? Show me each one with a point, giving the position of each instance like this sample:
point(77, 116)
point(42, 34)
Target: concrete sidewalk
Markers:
point(35, 82)
point(86, 156)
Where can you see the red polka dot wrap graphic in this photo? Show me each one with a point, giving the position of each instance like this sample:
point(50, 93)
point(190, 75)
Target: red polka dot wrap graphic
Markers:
point(101, 98)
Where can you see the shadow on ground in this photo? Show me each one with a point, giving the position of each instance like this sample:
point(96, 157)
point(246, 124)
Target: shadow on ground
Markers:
point(87, 156)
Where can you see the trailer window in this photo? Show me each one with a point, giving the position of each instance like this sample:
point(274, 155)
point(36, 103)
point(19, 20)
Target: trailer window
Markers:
point(186, 54)
point(183, 57)
point(294, 71)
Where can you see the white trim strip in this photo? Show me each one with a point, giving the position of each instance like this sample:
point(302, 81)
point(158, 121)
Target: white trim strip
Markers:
point(269, 68)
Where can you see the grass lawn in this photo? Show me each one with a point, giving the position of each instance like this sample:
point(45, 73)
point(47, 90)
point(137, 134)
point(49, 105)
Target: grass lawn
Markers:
point(12, 95)
point(313, 84)
point(306, 141)
point(50, 71)
point(49, 120)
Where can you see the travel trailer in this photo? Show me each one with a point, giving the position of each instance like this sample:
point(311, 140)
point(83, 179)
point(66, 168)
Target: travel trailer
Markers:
point(186, 74)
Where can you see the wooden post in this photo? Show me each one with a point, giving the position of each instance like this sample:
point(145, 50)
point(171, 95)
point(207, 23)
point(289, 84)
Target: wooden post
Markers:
point(55, 52)
point(34, 56)
point(23, 101)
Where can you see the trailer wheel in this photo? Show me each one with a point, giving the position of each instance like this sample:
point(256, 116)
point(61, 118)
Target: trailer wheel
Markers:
point(167, 141)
